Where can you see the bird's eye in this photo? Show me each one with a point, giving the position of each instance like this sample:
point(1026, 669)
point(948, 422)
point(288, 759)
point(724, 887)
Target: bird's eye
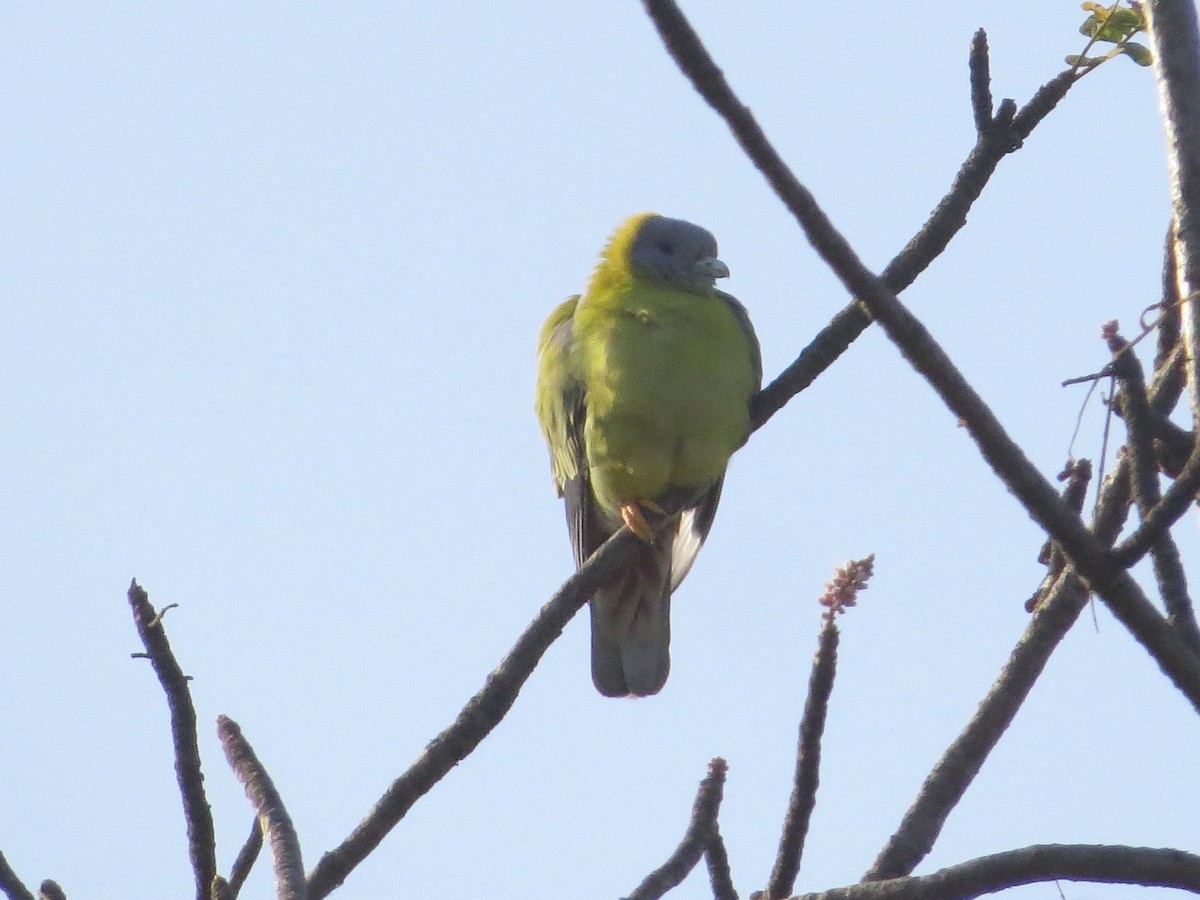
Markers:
point(666, 247)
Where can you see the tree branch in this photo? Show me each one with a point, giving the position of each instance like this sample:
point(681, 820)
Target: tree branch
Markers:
point(1143, 468)
point(1119, 591)
point(1162, 396)
point(1146, 866)
point(1059, 605)
point(702, 827)
point(1155, 523)
point(12, 886)
point(1171, 25)
point(1060, 602)
point(202, 841)
point(482, 713)
point(808, 765)
point(245, 860)
point(1170, 323)
point(719, 875)
point(962, 760)
point(273, 817)
point(981, 83)
point(1005, 133)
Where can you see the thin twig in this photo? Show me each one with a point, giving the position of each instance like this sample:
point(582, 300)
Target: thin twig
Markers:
point(808, 765)
point(981, 83)
point(1006, 131)
point(273, 817)
point(1116, 493)
point(202, 842)
point(1147, 866)
point(1170, 378)
point(1172, 445)
point(482, 713)
point(245, 860)
point(12, 886)
point(822, 352)
point(1164, 554)
point(1059, 604)
point(962, 760)
point(1169, 322)
point(699, 834)
point(1114, 585)
point(719, 875)
point(1078, 475)
point(1174, 503)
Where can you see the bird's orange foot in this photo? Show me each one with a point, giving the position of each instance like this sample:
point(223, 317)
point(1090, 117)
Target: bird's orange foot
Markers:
point(632, 515)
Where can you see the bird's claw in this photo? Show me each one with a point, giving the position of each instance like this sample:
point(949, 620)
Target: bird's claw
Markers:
point(632, 516)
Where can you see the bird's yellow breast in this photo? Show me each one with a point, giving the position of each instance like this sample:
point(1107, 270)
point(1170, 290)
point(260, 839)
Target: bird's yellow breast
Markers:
point(669, 376)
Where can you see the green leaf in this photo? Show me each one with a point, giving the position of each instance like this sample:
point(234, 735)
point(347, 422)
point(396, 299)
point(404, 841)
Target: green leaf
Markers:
point(1139, 54)
point(1112, 26)
point(1128, 20)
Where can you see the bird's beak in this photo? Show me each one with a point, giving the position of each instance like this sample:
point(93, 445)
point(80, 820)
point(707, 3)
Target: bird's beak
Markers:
point(713, 267)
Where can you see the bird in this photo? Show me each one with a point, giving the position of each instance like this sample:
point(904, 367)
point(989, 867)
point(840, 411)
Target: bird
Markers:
point(643, 392)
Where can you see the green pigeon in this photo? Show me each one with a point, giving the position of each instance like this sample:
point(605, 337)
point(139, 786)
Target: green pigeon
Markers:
point(643, 393)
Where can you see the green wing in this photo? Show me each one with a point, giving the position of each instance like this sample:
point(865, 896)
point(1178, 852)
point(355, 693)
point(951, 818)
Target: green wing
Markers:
point(559, 396)
point(743, 319)
point(561, 407)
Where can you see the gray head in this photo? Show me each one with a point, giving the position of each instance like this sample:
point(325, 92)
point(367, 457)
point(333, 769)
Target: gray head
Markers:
point(677, 252)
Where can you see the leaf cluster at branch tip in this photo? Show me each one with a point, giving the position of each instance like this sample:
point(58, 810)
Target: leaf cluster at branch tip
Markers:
point(1117, 25)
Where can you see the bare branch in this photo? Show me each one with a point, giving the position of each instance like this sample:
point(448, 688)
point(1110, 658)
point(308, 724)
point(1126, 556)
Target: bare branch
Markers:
point(1171, 373)
point(808, 765)
point(1006, 132)
point(1147, 866)
point(719, 875)
point(1060, 601)
point(832, 341)
point(272, 815)
point(954, 772)
point(202, 841)
point(696, 840)
point(1041, 104)
point(1170, 323)
point(245, 860)
point(981, 83)
point(1143, 467)
point(1110, 581)
point(1078, 475)
point(1177, 499)
point(482, 713)
point(1171, 25)
point(12, 886)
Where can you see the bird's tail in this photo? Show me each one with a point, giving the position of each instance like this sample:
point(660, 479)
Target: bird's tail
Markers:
point(631, 624)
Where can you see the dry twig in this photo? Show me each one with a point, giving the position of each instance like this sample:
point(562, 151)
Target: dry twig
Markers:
point(702, 828)
point(202, 842)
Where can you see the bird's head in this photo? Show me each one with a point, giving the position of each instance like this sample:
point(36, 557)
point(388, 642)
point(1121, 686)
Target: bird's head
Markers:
point(674, 251)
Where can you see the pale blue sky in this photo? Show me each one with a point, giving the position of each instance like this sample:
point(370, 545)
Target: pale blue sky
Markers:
point(273, 274)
